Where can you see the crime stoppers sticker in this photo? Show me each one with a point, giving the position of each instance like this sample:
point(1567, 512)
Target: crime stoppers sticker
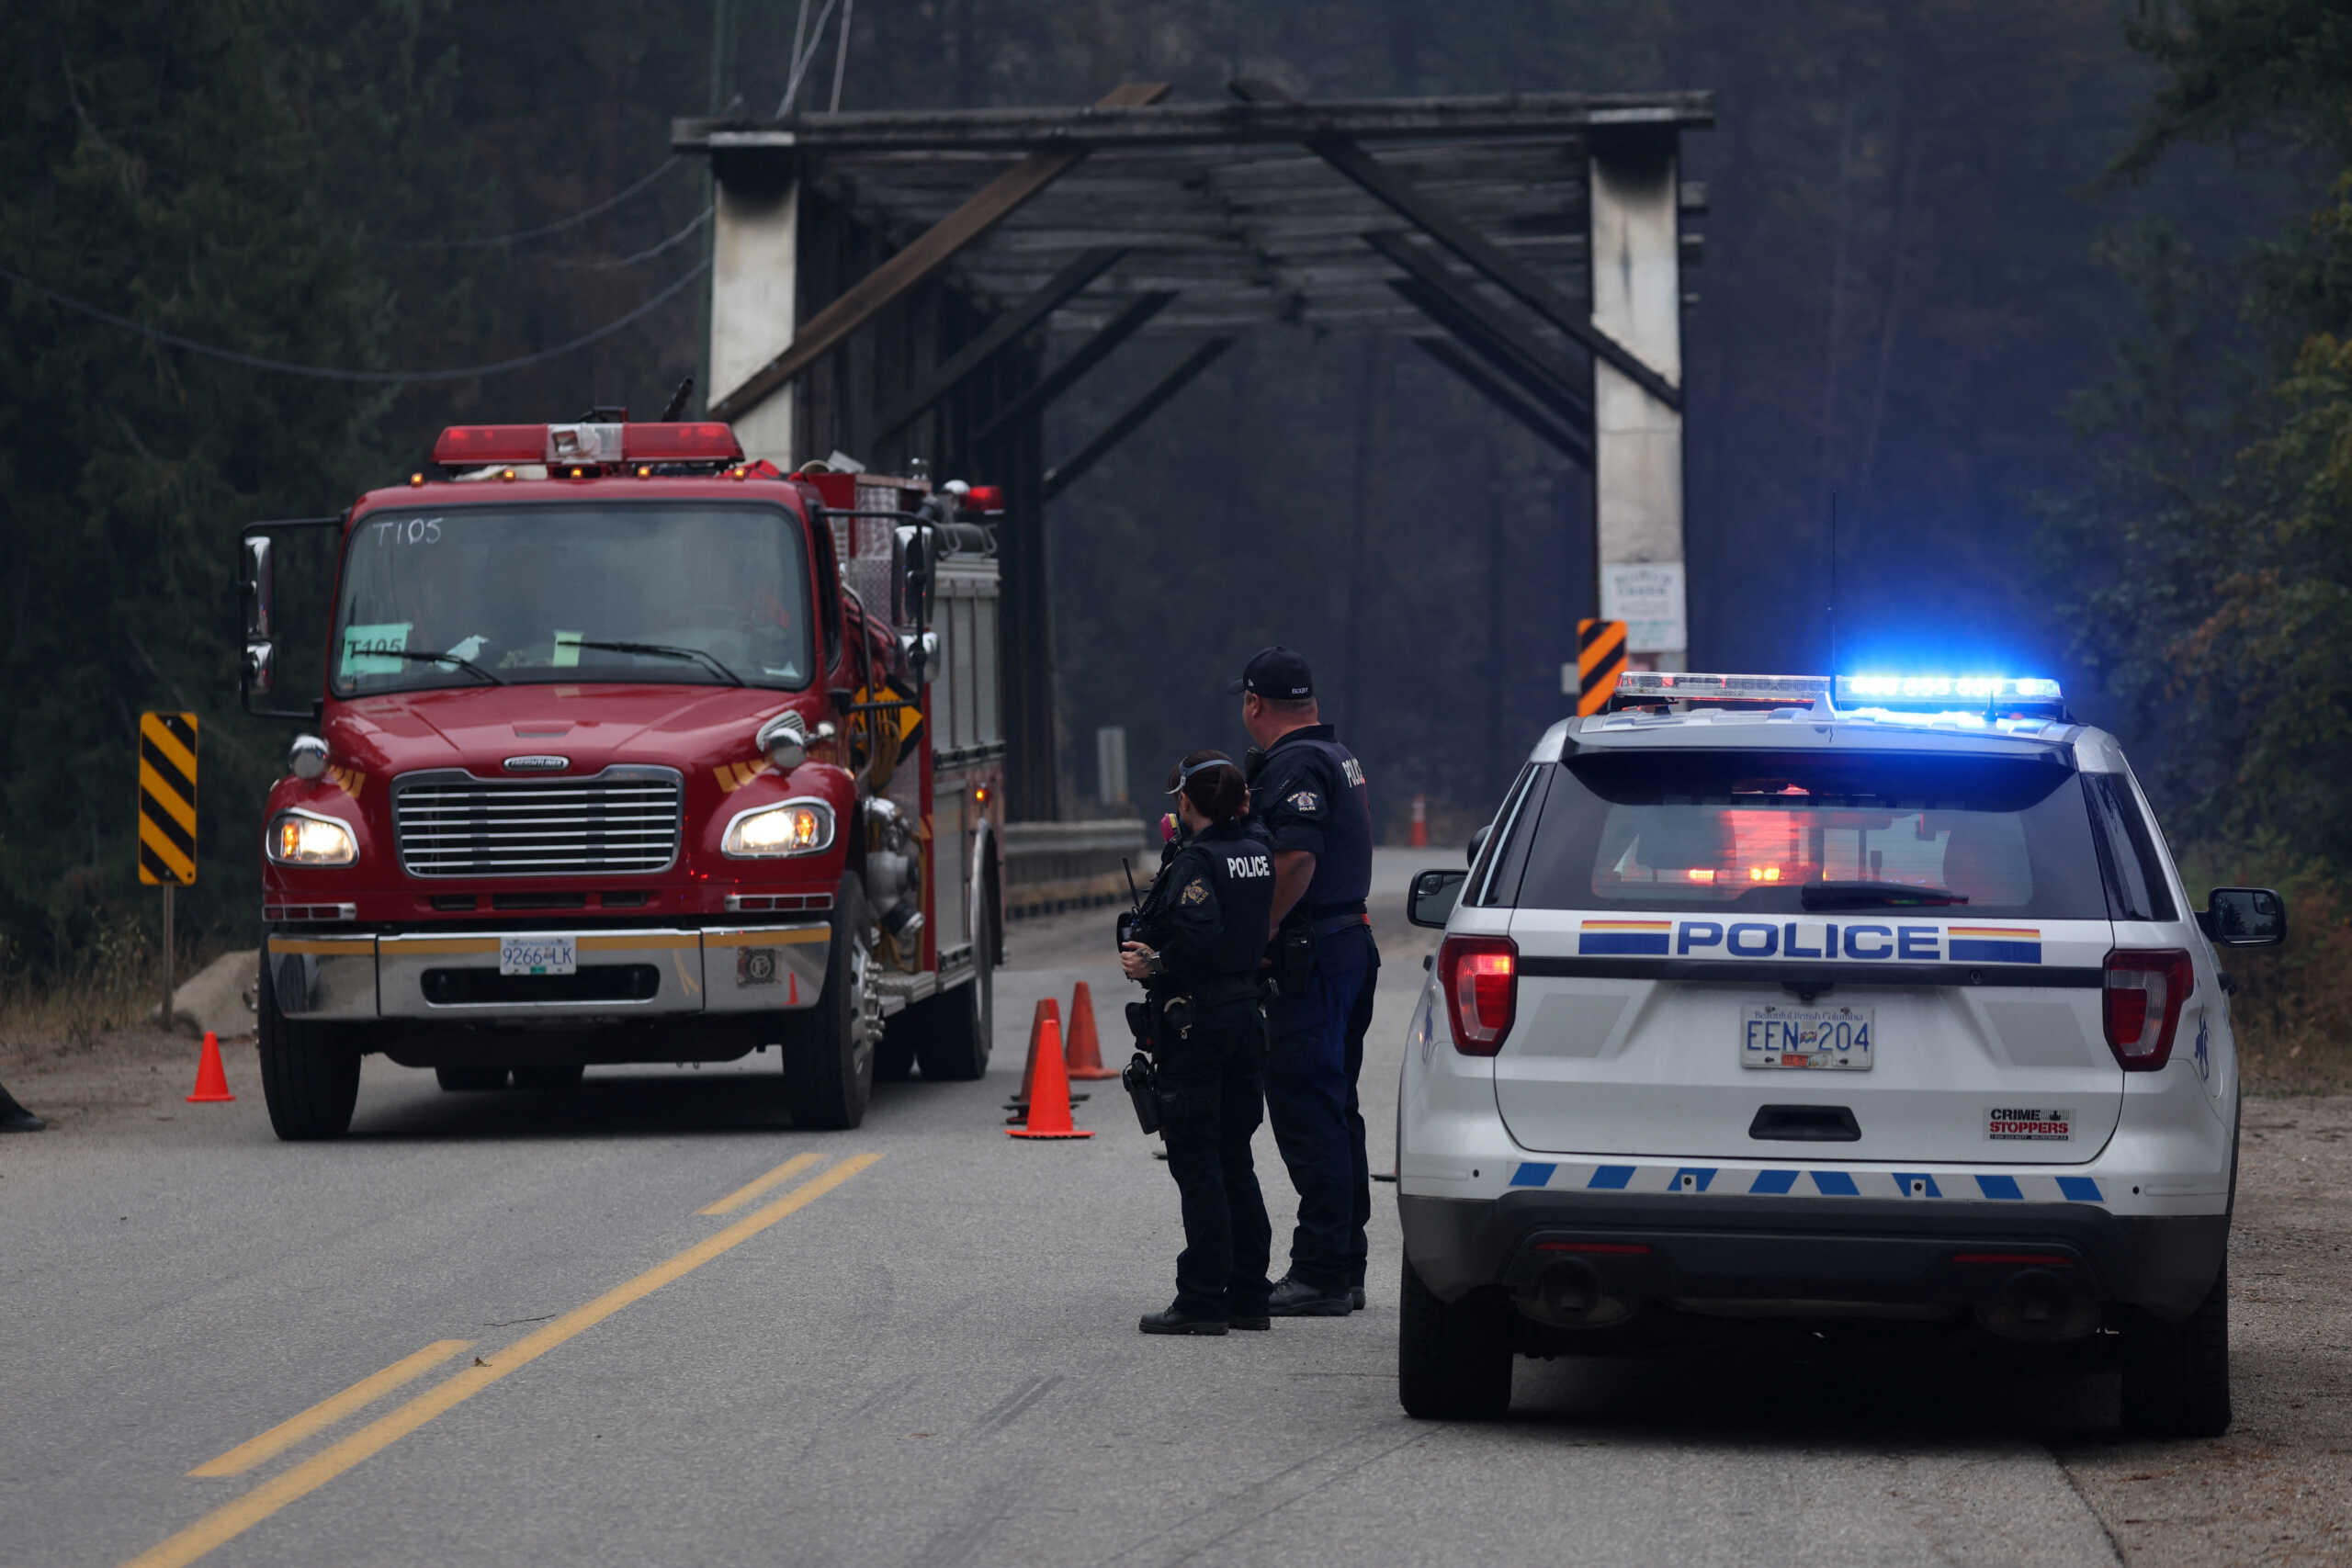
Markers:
point(2028, 1123)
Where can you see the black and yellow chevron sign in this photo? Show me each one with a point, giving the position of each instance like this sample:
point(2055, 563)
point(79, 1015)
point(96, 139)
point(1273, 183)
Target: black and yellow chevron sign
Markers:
point(1600, 659)
point(167, 799)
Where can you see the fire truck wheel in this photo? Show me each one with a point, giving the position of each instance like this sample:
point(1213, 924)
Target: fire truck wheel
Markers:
point(828, 1048)
point(894, 1058)
point(308, 1078)
point(958, 1026)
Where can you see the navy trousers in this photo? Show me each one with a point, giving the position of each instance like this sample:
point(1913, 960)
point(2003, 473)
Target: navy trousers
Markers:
point(1211, 1096)
point(1311, 1074)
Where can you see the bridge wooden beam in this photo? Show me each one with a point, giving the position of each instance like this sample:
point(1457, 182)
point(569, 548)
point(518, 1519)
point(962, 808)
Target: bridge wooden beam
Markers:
point(998, 201)
point(1008, 326)
point(1062, 475)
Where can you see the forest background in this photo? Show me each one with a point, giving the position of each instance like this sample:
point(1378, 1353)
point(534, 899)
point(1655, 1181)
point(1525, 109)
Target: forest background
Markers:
point(2045, 303)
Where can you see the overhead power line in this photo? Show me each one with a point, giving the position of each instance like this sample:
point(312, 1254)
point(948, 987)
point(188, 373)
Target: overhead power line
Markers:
point(558, 227)
point(613, 263)
point(373, 377)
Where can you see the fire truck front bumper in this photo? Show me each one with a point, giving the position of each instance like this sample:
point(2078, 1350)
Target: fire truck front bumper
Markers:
point(476, 975)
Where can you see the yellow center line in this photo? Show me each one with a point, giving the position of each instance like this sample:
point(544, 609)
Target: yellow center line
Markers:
point(327, 1412)
point(232, 1519)
point(753, 1187)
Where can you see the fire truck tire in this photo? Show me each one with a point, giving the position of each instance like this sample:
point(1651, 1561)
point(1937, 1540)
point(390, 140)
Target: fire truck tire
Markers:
point(828, 1049)
point(310, 1080)
point(470, 1081)
point(957, 1027)
point(894, 1058)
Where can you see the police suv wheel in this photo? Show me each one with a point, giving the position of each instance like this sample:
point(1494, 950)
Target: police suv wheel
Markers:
point(1453, 1358)
point(2176, 1375)
point(308, 1078)
point(470, 1081)
point(828, 1049)
point(553, 1078)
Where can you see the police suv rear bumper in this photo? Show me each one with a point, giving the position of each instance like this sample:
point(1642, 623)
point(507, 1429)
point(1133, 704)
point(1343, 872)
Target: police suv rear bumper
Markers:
point(323, 976)
point(1675, 1247)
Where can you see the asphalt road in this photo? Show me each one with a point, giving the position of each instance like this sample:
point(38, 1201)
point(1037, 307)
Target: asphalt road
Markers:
point(915, 1347)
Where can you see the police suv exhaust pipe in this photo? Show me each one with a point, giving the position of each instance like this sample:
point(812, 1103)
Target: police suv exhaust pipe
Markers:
point(2039, 1305)
point(1571, 1294)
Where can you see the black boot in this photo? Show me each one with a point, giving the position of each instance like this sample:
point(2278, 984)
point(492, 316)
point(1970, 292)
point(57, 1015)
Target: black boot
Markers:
point(1295, 1298)
point(1176, 1320)
point(15, 1118)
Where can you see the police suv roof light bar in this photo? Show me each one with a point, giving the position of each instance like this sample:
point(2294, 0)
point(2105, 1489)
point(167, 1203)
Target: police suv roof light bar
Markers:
point(1986, 697)
point(1653, 688)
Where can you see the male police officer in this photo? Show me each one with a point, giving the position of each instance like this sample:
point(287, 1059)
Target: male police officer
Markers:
point(1308, 792)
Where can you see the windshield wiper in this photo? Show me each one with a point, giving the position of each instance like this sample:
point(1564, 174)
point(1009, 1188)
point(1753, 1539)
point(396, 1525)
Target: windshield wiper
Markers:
point(663, 651)
point(459, 660)
point(1874, 895)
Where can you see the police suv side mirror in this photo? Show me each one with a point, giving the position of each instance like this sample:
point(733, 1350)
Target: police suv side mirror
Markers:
point(2245, 916)
point(1434, 897)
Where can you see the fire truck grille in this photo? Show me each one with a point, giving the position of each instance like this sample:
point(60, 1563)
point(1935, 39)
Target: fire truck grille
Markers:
point(452, 823)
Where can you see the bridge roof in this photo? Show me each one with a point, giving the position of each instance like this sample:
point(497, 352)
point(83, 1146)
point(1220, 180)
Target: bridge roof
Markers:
point(1238, 209)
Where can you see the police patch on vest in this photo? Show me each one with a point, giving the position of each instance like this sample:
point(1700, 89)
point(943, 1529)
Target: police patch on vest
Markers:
point(1197, 892)
point(1248, 866)
point(1303, 800)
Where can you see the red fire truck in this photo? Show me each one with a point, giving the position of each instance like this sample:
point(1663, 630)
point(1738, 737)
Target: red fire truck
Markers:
point(630, 751)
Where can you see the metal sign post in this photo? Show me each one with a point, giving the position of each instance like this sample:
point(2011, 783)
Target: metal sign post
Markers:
point(168, 819)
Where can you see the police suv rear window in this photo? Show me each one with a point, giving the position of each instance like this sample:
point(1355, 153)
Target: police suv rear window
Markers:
point(1749, 831)
point(2136, 887)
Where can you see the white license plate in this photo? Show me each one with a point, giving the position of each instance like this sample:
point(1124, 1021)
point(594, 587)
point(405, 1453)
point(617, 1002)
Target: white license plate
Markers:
point(1772, 1035)
point(538, 954)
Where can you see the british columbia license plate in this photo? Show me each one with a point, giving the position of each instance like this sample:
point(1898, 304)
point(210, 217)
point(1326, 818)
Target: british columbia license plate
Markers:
point(538, 954)
point(1773, 1035)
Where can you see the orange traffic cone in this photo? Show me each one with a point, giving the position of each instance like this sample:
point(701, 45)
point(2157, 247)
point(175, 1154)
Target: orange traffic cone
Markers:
point(1049, 1106)
point(1420, 839)
point(1047, 1008)
point(1085, 1045)
point(211, 1079)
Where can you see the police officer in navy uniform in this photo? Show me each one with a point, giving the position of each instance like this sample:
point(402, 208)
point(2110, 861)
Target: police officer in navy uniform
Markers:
point(1199, 942)
point(1309, 797)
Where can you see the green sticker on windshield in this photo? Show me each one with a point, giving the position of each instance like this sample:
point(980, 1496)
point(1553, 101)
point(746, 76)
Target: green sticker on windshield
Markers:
point(566, 650)
point(363, 648)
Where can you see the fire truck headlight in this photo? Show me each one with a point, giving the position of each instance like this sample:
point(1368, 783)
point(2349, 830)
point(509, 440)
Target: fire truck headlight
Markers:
point(302, 838)
point(794, 828)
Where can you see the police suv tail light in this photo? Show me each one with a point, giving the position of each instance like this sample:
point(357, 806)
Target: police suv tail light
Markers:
point(1480, 976)
point(2142, 1005)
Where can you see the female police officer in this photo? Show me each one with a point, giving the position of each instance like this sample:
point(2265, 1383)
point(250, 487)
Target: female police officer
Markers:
point(1198, 940)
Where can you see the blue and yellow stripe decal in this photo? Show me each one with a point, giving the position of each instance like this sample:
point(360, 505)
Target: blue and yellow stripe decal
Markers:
point(1994, 944)
point(1644, 938)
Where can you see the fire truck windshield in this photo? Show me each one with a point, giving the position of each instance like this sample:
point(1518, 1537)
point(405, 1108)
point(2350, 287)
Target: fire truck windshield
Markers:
point(685, 593)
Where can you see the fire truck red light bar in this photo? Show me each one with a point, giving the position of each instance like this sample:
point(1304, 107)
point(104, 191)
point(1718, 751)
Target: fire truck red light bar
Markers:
point(465, 445)
point(985, 498)
point(702, 442)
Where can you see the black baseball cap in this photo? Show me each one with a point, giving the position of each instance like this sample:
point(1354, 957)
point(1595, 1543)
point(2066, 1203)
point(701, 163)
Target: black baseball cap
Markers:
point(1276, 672)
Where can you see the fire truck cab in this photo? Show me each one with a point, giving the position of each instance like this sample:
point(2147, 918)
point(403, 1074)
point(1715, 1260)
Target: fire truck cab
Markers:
point(630, 751)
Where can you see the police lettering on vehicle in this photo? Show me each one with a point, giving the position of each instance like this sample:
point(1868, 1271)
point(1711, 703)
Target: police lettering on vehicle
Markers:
point(1867, 941)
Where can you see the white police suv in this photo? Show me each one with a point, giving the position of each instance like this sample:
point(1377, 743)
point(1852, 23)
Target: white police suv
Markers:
point(1766, 997)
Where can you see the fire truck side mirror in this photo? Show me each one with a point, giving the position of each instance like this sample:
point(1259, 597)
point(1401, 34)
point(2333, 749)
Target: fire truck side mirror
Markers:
point(913, 549)
point(260, 617)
